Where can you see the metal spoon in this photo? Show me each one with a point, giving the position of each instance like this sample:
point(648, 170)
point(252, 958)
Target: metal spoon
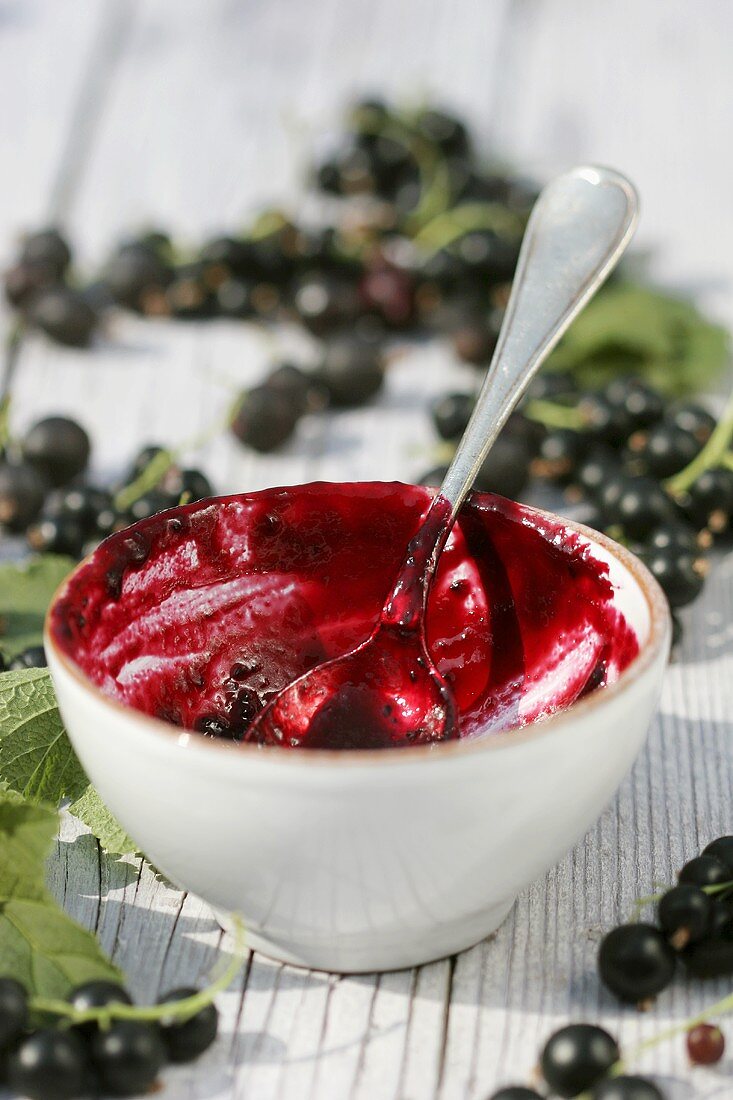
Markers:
point(387, 690)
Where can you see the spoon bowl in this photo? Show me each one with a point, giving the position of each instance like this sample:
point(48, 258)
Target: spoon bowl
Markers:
point(385, 693)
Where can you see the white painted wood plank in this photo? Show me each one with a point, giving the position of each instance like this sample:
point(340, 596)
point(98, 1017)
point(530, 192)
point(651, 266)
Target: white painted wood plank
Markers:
point(206, 110)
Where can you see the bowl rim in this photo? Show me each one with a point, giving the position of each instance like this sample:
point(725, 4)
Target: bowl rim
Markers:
point(164, 732)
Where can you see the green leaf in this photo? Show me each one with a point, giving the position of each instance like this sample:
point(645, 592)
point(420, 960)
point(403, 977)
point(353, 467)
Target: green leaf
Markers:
point(40, 945)
point(25, 593)
point(633, 328)
point(36, 756)
point(106, 828)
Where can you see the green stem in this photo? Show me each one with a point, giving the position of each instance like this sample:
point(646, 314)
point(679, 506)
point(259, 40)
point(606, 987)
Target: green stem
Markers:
point(713, 453)
point(182, 1010)
point(651, 899)
point(159, 466)
point(720, 1008)
point(554, 415)
point(447, 226)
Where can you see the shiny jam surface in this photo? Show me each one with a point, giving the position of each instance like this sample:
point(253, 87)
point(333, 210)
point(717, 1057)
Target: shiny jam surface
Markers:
point(200, 615)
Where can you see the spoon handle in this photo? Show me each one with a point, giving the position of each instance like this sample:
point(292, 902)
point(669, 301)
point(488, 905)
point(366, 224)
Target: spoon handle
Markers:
point(578, 229)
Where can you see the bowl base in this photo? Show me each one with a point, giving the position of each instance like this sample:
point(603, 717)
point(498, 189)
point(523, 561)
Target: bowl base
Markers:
point(367, 953)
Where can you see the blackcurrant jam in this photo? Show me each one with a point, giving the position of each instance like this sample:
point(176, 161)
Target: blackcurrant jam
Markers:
point(226, 607)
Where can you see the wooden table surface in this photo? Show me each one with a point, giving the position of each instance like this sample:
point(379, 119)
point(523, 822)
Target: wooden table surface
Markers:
point(187, 114)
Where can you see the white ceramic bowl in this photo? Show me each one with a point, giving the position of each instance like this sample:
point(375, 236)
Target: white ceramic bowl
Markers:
point(361, 861)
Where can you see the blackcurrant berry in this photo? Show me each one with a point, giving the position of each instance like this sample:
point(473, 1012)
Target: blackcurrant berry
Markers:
point(22, 491)
point(136, 275)
point(720, 922)
point(705, 1044)
point(722, 849)
point(97, 993)
point(643, 405)
point(58, 448)
point(294, 384)
point(710, 958)
point(515, 1092)
point(149, 504)
point(709, 500)
point(187, 1039)
point(32, 657)
point(444, 130)
point(64, 315)
point(142, 460)
point(47, 246)
point(234, 298)
point(551, 385)
point(231, 254)
point(56, 535)
point(48, 1065)
point(324, 301)
point(82, 502)
point(640, 506)
point(128, 1057)
point(663, 450)
point(265, 419)
point(594, 471)
point(576, 1057)
point(188, 296)
point(558, 454)
point(13, 1011)
point(705, 870)
point(23, 282)
point(351, 371)
point(636, 962)
point(692, 418)
point(680, 574)
point(189, 483)
point(604, 421)
point(684, 913)
point(626, 1087)
point(506, 469)
point(452, 413)
point(671, 536)
point(387, 291)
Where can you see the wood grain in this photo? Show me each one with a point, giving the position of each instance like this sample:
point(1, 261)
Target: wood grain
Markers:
point(192, 116)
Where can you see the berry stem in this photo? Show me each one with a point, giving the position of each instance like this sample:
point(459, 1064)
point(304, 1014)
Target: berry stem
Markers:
point(650, 899)
point(448, 226)
point(720, 1008)
point(182, 1010)
point(713, 453)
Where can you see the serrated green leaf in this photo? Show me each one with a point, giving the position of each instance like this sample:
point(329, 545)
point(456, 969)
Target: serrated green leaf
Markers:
point(104, 825)
point(40, 945)
point(36, 756)
point(25, 593)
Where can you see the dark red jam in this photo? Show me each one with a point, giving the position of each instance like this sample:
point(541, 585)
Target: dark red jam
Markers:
point(200, 615)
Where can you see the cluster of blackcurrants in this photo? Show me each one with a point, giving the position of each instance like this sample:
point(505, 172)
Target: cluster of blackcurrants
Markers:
point(362, 274)
point(582, 1059)
point(637, 961)
point(115, 1056)
point(43, 492)
point(694, 924)
point(614, 464)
